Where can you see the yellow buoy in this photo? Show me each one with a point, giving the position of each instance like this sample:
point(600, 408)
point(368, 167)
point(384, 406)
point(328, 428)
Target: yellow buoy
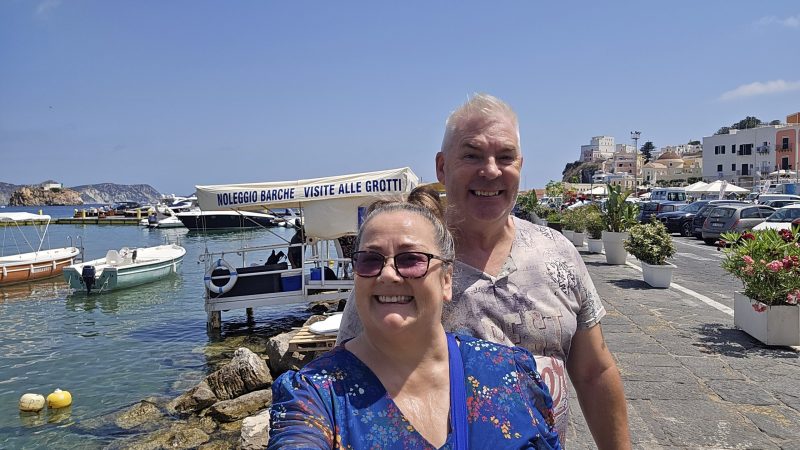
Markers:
point(31, 402)
point(59, 399)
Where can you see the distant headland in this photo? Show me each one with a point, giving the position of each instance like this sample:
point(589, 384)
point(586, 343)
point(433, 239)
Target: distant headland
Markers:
point(53, 193)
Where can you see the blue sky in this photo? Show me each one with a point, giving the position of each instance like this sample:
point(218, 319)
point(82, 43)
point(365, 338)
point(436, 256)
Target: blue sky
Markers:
point(179, 93)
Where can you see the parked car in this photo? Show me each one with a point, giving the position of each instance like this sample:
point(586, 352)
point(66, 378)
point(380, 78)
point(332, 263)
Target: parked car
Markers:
point(739, 218)
point(673, 194)
point(702, 214)
point(764, 198)
point(782, 219)
point(681, 221)
point(653, 208)
point(780, 203)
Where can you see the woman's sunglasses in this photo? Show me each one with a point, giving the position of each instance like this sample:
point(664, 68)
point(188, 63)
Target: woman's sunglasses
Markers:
point(370, 264)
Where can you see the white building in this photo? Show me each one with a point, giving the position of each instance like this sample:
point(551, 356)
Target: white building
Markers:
point(599, 148)
point(741, 157)
point(51, 186)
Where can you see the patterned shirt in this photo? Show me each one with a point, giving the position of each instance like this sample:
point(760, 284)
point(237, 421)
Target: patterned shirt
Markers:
point(336, 401)
point(541, 297)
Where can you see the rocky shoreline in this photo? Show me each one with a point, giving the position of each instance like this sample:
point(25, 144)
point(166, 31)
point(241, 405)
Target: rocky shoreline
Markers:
point(37, 196)
point(228, 409)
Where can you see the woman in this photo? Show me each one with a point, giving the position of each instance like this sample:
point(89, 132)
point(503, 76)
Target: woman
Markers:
point(404, 382)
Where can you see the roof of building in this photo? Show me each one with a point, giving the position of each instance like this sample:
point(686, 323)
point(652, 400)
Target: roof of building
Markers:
point(655, 165)
point(669, 155)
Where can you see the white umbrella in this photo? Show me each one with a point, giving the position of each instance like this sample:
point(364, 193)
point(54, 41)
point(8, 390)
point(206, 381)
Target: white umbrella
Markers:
point(718, 186)
point(696, 187)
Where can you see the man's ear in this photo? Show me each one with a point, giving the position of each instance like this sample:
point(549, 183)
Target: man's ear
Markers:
point(440, 167)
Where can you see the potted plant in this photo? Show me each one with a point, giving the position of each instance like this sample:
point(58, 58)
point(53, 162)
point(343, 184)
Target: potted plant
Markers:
point(554, 220)
point(652, 244)
point(578, 220)
point(568, 223)
point(594, 228)
point(767, 262)
point(618, 217)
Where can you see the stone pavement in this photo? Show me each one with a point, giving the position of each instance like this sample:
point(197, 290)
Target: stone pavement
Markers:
point(692, 380)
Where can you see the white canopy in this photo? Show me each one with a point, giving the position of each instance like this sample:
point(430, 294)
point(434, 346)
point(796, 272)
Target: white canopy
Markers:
point(22, 216)
point(719, 185)
point(783, 173)
point(597, 190)
point(330, 205)
point(697, 187)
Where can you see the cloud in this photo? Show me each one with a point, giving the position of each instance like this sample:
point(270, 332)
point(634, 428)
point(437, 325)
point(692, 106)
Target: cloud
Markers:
point(46, 7)
point(759, 88)
point(789, 22)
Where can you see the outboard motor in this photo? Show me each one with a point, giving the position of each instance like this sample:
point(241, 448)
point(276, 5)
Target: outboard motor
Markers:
point(87, 274)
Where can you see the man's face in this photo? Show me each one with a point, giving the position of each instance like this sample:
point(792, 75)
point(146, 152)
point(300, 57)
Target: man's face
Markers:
point(481, 168)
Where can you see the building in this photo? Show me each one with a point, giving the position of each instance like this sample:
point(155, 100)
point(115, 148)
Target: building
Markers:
point(672, 168)
point(745, 157)
point(599, 148)
point(51, 186)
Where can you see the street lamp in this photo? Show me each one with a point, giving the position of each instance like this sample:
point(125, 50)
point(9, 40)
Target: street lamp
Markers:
point(635, 135)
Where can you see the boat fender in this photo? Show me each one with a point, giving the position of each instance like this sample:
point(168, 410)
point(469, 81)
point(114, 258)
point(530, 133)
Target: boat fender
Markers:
point(59, 399)
point(31, 402)
point(221, 263)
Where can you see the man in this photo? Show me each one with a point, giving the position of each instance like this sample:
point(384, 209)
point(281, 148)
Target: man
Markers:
point(517, 283)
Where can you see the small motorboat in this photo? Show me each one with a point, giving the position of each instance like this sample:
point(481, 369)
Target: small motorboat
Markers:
point(125, 268)
point(36, 264)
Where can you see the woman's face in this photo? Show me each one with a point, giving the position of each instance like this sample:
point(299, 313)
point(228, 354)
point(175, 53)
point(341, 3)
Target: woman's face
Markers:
point(389, 303)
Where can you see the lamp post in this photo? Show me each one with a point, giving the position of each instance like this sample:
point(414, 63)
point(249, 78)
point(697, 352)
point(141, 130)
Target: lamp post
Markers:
point(635, 135)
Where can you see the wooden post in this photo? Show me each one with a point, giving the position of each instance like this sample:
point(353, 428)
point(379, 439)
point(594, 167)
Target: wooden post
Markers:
point(214, 320)
point(250, 318)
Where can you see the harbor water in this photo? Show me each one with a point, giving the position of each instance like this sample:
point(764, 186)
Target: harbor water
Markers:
point(117, 348)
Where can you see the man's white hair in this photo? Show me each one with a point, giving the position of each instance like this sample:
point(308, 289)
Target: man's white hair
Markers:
point(478, 106)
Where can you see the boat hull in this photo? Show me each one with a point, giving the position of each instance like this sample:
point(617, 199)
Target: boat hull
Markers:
point(36, 265)
point(224, 220)
point(111, 277)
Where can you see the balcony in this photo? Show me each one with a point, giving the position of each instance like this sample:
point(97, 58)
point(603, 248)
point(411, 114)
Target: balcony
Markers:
point(762, 149)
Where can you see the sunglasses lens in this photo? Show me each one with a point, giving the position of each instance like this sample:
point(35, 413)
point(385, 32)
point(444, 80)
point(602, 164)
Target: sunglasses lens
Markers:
point(412, 265)
point(367, 264)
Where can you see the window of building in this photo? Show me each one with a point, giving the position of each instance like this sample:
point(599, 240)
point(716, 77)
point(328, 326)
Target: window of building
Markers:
point(733, 167)
point(719, 167)
point(733, 148)
point(785, 144)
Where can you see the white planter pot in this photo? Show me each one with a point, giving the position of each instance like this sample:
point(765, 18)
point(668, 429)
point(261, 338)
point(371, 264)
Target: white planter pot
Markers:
point(778, 325)
point(615, 250)
point(577, 239)
point(567, 233)
point(657, 276)
point(595, 245)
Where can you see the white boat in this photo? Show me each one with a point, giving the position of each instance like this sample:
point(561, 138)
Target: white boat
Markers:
point(330, 210)
point(38, 263)
point(125, 268)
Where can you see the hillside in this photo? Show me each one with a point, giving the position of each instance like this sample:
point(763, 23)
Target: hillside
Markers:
point(579, 172)
point(87, 193)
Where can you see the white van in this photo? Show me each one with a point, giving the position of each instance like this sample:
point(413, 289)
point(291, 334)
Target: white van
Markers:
point(672, 194)
point(764, 198)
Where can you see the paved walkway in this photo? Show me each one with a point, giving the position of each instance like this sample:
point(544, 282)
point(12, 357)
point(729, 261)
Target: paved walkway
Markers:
point(692, 380)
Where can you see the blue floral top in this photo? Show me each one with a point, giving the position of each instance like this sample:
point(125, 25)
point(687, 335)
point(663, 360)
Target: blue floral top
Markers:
point(336, 401)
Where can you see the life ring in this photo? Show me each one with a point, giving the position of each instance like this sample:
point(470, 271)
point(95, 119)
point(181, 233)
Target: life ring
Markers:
point(221, 263)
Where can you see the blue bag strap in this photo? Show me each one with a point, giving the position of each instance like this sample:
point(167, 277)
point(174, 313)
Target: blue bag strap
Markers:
point(458, 396)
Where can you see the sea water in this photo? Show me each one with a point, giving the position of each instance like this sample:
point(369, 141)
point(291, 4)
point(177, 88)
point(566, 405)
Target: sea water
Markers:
point(113, 349)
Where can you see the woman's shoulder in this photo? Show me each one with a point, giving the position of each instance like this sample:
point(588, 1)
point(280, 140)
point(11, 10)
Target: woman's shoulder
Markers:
point(330, 367)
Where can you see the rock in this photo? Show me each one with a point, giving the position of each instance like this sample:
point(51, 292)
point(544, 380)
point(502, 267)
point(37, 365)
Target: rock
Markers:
point(245, 373)
point(178, 436)
point(241, 407)
point(208, 425)
point(138, 414)
point(255, 431)
point(194, 400)
point(231, 426)
point(37, 196)
point(315, 319)
point(216, 445)
point(279, 358)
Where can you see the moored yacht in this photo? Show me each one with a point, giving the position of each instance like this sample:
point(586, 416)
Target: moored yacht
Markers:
point(219, 220)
